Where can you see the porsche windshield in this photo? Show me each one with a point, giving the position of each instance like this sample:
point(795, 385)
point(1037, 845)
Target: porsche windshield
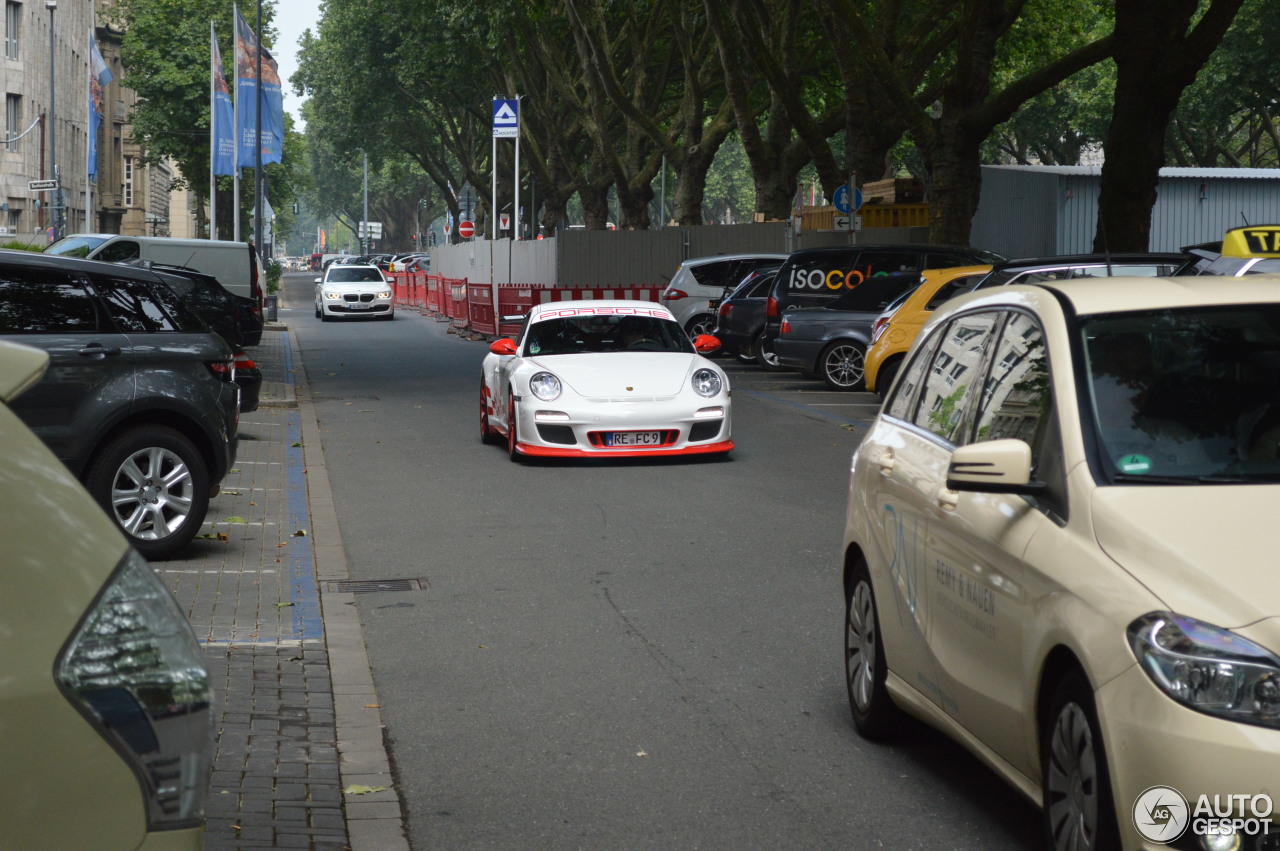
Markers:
point(1190, 395)
point(606, 333)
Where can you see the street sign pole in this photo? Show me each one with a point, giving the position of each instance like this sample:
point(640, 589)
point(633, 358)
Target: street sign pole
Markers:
point(516, 211)
point(493, 180)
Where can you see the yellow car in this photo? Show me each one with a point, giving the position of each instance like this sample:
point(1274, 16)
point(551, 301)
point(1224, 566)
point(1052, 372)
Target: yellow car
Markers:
point(1060, 551)
point(892, 336)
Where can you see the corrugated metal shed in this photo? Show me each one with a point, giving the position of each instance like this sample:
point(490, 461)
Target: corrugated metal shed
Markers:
point(1028, 211)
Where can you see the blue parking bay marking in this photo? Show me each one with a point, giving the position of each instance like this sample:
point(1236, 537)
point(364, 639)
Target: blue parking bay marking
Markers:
point(304, 591)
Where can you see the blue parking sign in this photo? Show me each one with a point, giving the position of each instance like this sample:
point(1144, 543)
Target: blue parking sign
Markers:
point(506, 118)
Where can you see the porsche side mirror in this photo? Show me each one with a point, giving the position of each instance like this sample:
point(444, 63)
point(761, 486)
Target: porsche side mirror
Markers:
point(705, 344)
point(505, 346)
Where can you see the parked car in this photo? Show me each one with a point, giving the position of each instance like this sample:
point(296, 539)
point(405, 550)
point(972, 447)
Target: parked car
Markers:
point(699, 280)
point(105, 696)
point(139, 400)
point(894, 329)
point(831, 341)
point(1243, 251)
point(1030, 270)
point(740, 315)
point(410, 262)
point(234, 264)
point(238, 319)
point(1058, 552)
point(608, 378)
point(890, 346)
point(813, 277)
point(348, 290)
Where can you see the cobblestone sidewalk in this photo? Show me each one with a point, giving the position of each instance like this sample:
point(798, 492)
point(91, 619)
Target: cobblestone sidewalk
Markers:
point(252, 586)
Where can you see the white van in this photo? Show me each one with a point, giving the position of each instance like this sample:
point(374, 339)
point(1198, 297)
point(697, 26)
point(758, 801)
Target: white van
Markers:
point(234, 264)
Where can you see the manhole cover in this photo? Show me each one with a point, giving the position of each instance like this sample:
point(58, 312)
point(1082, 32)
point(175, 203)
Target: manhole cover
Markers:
point(365, 586)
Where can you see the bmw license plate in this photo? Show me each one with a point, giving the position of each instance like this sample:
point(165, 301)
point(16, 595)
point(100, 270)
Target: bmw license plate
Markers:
point(358, 305)
point(633, 438)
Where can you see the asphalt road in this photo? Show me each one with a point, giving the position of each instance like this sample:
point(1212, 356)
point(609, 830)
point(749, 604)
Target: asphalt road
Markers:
point(617, 654)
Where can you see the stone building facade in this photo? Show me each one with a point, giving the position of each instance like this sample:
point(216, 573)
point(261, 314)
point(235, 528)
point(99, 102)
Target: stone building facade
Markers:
point(127, 196)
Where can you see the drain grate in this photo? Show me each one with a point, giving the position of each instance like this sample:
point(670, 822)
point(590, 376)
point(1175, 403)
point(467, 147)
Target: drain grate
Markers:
point(365, 586)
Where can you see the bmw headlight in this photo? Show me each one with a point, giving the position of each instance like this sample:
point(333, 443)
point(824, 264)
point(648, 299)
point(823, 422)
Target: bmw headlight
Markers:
point(545, 386)
point(1208, 668)
point(385, 294)
point(706, 382)
point(332, 296)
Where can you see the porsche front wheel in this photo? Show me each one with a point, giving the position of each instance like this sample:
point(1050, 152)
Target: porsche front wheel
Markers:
point(486, 431)
point(512, 439)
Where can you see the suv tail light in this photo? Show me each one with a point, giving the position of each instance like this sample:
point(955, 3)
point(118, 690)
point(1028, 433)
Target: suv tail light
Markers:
point(223, 370)
point(674, 295)
point(786, 326)
point(135, 669)
point(771, 307)
point(878, 328)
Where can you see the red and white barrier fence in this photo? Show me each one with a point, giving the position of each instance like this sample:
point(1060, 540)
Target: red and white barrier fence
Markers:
point(469, 306)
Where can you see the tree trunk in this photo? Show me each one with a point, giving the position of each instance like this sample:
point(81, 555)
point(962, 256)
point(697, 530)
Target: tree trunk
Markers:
point(633, 199)
point(595, 204)
point(1157, 56)
point(954, 163)
point(691, 185)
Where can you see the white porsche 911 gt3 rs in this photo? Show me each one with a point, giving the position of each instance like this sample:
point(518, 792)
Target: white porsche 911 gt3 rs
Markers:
point(604, 378)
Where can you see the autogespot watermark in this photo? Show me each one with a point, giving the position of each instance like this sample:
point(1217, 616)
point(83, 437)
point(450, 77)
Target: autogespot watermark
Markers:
point(1162, 814)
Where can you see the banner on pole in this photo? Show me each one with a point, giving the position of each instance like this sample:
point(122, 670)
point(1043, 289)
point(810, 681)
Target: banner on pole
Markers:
point(223, 136)
point(272, 136)
point(99, 76)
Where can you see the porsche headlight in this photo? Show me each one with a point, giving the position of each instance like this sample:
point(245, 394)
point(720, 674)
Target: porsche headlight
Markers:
point(545, 386)
point(332, 296)
point(1208, 668)
point(706, 382)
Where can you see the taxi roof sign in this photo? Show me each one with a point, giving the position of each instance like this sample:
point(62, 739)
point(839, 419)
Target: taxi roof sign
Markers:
point(1254, 241)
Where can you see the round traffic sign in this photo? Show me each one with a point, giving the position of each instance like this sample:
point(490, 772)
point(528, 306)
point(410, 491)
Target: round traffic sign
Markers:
point(466, 229)
point(841, 199)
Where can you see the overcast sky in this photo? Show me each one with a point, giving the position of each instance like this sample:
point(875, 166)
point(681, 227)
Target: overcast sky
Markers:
point(292, 17)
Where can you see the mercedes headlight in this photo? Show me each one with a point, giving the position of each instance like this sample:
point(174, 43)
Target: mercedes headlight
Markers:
point(706, 382)
point(1209, 669)
point(135, 668)
point(545, 386)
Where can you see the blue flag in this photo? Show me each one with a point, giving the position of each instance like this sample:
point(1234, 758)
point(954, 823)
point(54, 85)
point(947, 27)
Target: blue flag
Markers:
point(224, 130)
point(99, 76)
point(272, 136)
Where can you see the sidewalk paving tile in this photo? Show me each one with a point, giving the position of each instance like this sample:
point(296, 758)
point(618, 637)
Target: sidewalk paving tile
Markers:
point(250, 584)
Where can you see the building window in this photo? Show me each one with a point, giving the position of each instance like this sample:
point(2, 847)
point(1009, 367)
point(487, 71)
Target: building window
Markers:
point(12, 119)
point(12, 28)
point(128, 181)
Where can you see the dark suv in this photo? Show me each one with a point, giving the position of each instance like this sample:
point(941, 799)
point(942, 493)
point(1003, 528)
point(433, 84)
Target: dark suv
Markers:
point(814, 277)
point(139, 400)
